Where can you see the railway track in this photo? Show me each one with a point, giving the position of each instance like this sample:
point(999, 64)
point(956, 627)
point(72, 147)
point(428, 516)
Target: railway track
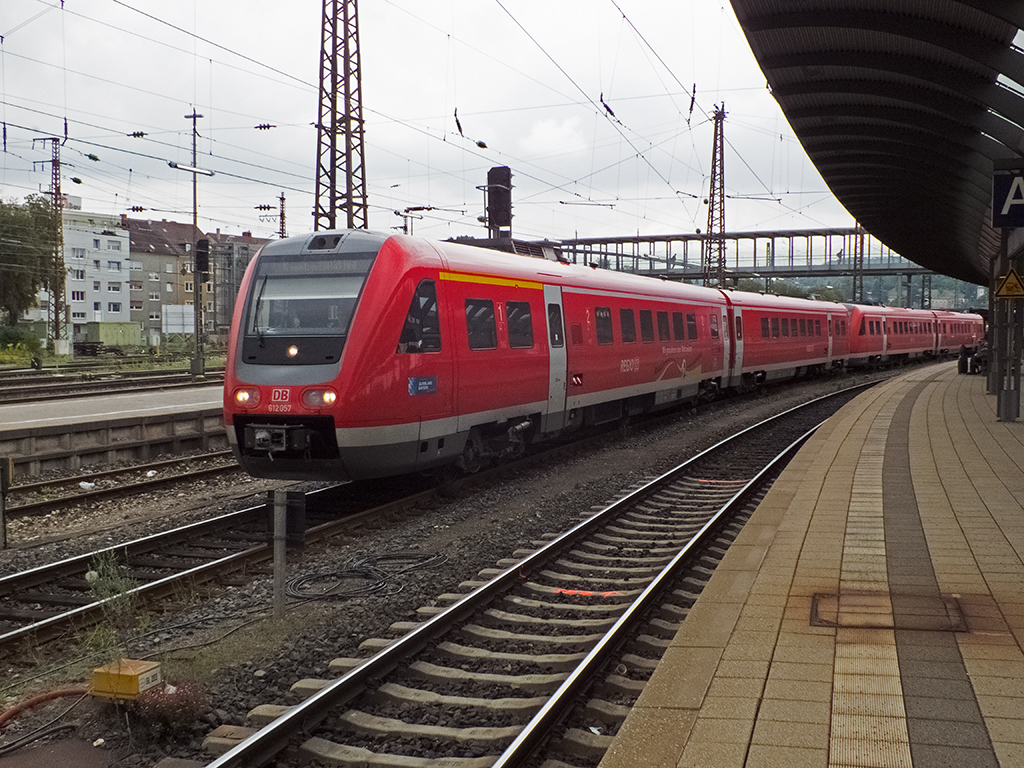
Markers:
point(38, 498)
point(550, 649)
point(37, 387)
point(46, 602)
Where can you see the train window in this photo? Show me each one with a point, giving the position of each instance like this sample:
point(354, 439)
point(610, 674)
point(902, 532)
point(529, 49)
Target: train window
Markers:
point(843, 324)
point(714, 325)
point(627, 322)
point(830, 325)
point(646, 326)
point(803, 326)
point(422, 330)
point(663, 333)
point(863, 326)
point(739, 328)
point(678, 329)
point(555, 323)
point(764, 328)
point(520, 324)
point(603, 320)
point(691, 326)
point(817, 327)
point(785, 327)
point(775, 327)
point(480, 326)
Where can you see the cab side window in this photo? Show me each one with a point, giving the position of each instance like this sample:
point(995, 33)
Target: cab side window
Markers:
point(480, 324)
point(520, 324)
point(422, 329)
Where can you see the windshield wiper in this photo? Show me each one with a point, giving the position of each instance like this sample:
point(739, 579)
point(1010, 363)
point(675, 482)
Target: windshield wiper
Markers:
point(256, 313)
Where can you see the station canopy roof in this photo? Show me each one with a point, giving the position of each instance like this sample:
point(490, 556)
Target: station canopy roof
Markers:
point(903, 106)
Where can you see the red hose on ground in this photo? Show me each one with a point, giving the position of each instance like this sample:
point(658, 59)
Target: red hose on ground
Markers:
point(35, 701)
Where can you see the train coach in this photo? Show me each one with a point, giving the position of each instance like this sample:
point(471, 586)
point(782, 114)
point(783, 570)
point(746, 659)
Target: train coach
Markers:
point(890, 334)
point(355, 354)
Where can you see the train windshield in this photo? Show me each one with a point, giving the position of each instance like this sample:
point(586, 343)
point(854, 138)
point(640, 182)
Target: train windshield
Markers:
point(306, 295)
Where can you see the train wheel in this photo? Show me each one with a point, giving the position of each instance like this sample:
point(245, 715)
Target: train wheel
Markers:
point(472, 459)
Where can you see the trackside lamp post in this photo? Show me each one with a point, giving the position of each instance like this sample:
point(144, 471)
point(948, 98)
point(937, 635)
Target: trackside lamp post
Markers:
point(198, 367)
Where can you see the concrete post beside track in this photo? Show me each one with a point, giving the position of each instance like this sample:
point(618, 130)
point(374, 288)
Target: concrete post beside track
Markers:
point(280, 503)
point(6, 478)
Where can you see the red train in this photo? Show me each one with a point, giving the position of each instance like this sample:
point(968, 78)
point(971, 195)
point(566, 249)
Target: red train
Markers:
point(357, 355)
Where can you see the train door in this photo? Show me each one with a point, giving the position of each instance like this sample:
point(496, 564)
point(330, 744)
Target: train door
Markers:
point(555, 416)
point(732, 361)
point(831, 341)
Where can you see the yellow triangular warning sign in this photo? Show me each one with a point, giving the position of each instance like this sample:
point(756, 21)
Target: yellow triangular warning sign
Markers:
point(1010, 286)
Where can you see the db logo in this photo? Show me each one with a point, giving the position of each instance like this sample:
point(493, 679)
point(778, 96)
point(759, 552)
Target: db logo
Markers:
point(279, 395)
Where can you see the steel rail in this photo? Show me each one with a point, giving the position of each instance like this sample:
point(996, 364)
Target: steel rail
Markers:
point(536, 731)
point(269, 741)
point(39, 485)
point(141, 486)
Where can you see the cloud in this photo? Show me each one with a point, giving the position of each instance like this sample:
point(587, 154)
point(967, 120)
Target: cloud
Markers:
point(552, 137)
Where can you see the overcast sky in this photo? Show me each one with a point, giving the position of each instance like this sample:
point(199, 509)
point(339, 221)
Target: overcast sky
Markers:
point(526, 76)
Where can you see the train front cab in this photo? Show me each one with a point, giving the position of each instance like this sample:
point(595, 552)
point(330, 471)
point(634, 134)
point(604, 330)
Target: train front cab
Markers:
point(311, 376)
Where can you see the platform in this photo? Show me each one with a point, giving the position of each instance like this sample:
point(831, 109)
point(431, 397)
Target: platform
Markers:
point(75, 433)
point(871, 612)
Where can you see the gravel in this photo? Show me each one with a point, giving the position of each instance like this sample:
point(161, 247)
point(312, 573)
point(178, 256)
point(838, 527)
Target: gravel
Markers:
point(259, 660)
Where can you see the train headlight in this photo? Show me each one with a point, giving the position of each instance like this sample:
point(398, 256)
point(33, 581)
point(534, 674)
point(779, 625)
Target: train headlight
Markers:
point(293, 351)
point(319, 398)
point(247, 397)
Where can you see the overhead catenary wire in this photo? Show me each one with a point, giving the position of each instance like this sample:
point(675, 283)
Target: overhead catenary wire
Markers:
point(264, 173)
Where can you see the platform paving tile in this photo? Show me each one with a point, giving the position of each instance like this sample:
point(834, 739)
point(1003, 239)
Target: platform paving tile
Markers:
point(997, 707)
point(728, 730)
point(797, 690)
point(948, 733)
point(710, 754)
point(935, 756)
point(730, 708)
point(736, 668)
point(1006, 730)
point(769, 756)
point(804, 653)
point(875, 704)
point(662, 732)
point(682, 678)
point(779, 734)
point(736, 686)
point(801, 671)
point(994, 686)
point(929, 708)
point(750, 646)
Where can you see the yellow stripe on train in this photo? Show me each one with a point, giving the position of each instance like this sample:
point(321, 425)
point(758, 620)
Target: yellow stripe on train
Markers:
point(461, 277)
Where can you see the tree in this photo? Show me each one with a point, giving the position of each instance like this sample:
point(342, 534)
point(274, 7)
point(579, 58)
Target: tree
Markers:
point(27, 239)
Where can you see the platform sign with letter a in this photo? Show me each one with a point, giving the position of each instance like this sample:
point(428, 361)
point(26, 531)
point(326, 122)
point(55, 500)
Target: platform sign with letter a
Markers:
point(1008, 194)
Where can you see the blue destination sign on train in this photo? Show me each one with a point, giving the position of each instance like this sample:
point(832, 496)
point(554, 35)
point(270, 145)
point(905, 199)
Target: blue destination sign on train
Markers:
point(1008, 194)
point(422, 385)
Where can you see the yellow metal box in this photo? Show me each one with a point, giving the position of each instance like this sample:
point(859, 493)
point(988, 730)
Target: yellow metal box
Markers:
point(125, 678)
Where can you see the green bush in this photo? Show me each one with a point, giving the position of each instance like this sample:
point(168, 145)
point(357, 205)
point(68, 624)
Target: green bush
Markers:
point(17, 345)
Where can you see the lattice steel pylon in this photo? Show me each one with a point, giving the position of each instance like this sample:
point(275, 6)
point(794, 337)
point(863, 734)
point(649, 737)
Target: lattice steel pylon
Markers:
point(57, 313)
point(714, 238)
point(858, 267)
point(341, 173)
